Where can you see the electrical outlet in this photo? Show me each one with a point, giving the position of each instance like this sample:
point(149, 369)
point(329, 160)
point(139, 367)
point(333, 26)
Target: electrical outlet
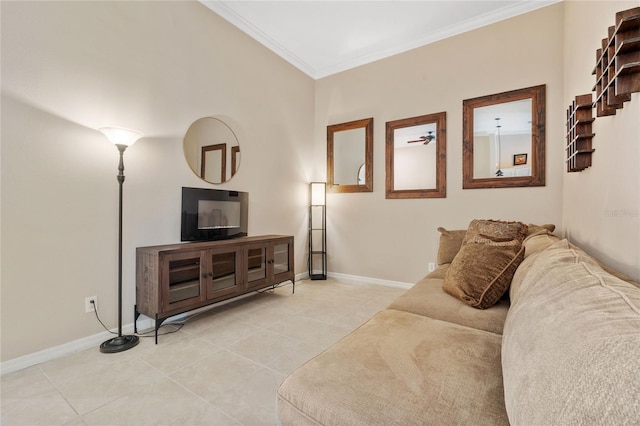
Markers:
point(432, 266)
point(88, 306)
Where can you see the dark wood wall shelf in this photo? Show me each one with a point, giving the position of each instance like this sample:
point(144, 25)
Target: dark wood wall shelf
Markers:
point(579, 133)
point(617, 74)
point(617, 67)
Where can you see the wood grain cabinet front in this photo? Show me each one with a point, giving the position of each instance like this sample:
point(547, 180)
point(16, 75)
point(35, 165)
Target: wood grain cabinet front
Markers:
point(176, 278)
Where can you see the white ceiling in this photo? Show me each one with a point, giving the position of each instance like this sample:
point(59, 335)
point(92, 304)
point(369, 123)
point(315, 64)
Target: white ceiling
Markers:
point(326, 37)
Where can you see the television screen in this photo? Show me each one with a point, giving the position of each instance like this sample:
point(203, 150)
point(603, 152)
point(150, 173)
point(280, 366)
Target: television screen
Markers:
point(212, 214)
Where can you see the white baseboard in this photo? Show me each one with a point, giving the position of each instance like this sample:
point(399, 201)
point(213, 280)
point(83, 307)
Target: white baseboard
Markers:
point(68, 348)
point(368, 280)
point(144, 323)
point(302, 276)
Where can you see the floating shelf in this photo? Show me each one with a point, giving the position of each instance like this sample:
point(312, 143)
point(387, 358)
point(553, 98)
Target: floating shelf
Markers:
point(579, 133)
point(617, 67)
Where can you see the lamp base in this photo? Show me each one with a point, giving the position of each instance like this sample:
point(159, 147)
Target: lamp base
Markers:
point(119, 344)
point(314, 277)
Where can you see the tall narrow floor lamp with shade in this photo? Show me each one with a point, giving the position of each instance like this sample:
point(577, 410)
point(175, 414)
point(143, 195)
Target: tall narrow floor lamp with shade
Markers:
point(318, 231)
point(122, 139)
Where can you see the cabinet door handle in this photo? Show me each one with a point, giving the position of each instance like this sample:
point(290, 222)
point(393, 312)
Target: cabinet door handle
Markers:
point(207, 275)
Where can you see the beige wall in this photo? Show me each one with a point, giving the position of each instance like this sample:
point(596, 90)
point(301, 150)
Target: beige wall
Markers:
point(71, 67)
point(601, 205)
point(395, 239)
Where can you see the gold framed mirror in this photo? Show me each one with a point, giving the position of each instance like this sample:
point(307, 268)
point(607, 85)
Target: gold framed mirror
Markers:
point(212, 150)
point(416, 157)
point(504, 139)
point(350, 156)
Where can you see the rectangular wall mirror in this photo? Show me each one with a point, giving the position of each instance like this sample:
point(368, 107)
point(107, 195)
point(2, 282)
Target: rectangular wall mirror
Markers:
point(504, 139)
point(350, 156)
point(416, 157)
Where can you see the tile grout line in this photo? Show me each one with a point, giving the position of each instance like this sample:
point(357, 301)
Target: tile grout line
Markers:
point(272, 309)
point(168, 377)
point(60, 392)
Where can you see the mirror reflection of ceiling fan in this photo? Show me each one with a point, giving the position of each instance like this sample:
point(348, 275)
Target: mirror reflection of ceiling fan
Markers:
point(424, 139)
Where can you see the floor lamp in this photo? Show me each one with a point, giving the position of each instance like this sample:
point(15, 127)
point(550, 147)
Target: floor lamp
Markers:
point(122, 139)
point(318, 231)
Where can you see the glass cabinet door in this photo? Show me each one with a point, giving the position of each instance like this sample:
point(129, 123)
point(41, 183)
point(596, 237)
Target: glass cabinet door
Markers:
point(281, 258)
point(267, 262)
point(256, 265)
point(222, 277)
point(181, 283)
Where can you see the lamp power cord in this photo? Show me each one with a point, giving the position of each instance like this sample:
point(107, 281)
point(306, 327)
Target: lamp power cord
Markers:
point(151, 333)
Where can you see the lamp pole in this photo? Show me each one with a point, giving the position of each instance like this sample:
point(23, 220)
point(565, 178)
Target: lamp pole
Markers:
point(121, 148)
point(121, 342)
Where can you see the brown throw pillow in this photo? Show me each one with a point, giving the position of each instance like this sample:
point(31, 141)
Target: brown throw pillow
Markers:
point(488, 231)
point(482, 271)
point(480, 274)
point(450, 243)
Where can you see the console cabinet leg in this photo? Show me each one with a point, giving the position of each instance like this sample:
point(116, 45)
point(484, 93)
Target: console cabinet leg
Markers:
point(136, 314)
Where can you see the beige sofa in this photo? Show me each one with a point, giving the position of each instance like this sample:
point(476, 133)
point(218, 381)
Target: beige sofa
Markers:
point(565, 350)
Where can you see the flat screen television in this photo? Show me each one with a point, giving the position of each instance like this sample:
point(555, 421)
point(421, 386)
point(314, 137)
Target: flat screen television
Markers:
point(213, 214)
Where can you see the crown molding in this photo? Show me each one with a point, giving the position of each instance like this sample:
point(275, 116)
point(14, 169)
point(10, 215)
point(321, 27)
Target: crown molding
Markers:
point(480, 21)
point(509, 11)
point(240, 22)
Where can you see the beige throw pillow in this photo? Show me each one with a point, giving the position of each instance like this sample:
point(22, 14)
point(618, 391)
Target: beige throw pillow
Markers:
point(450, 243)
point(482, 271)
point(534, 229)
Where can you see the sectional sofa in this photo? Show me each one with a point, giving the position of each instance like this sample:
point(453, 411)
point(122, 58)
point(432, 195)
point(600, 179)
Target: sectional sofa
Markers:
point(561, 345)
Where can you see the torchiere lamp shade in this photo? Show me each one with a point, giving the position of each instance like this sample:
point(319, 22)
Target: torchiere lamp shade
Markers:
point(121, 136)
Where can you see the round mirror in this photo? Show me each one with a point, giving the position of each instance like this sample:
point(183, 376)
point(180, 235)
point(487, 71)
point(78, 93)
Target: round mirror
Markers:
point(212, 150)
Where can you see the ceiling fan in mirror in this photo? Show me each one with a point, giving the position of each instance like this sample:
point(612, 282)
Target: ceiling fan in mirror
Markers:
point(424, 139)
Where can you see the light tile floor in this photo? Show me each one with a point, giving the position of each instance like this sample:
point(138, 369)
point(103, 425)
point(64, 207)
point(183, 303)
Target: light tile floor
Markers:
point(222, 368)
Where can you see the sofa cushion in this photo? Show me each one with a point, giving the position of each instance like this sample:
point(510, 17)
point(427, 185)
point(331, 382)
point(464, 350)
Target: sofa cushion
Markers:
point(610, 270)
point(533, 245)
point(399, 369)
point(571, 344)
point(427, 298)
point(539, 241)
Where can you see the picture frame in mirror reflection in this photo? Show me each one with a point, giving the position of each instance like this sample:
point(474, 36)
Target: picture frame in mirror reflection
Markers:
point(415, 157)
point(519, 159)
point(350, 156)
